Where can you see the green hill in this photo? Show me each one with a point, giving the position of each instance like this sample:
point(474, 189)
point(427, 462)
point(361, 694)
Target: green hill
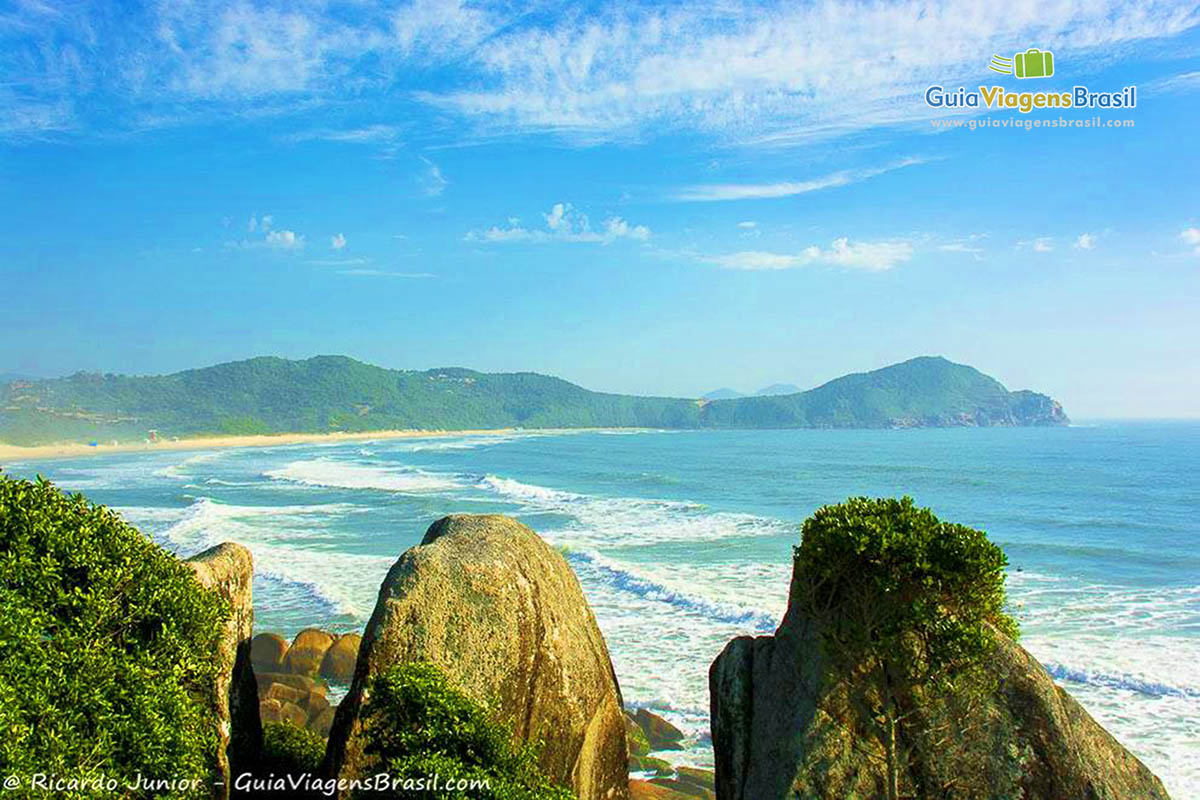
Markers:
point(926, 392)
point(335, 393)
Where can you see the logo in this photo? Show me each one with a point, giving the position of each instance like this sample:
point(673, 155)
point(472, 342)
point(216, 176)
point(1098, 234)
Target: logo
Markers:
point(1033, 63)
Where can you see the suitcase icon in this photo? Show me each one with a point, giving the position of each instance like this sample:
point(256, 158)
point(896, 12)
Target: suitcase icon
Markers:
point(1034, 63)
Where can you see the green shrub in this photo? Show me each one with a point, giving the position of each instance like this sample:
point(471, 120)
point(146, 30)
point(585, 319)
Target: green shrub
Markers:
point(291, 750)
point(420, 726)
point(106, 645)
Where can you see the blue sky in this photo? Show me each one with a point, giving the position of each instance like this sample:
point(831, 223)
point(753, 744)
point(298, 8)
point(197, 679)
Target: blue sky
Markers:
point(652, 198)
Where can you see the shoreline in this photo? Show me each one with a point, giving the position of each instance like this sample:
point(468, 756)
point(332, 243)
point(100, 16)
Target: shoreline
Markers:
point(49, 452)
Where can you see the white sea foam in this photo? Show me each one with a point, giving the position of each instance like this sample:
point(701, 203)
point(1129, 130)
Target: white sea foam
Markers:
point(345, 583)
point(460, 443)
point(183, 470)
point(1130, 655)
point(682, 595)
point(601, 522)
point(333, 473)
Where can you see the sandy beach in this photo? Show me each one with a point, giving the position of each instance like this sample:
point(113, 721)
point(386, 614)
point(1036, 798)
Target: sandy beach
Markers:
point(11, 453)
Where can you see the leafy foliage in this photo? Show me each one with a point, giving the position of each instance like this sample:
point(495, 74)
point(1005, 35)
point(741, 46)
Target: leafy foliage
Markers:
point(907, 608)
point(291, 750)
point(334, 393)
point(106, 645)
point(419, 726)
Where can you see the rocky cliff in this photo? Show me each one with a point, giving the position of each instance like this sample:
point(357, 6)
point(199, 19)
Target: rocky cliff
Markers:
point(775, 737)
point(501, 614)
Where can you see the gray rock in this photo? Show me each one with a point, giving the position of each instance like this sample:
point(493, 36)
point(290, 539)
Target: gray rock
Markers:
point(773, 737)
point(660, 734)
point(229, 570)
point(338, 664)
point(501, 614)
point(267, 651)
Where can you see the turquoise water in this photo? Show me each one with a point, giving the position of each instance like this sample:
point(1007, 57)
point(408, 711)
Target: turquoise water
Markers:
point(684, 540)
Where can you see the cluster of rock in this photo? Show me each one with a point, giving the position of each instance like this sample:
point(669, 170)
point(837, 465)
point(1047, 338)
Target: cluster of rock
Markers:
point(502, 614)
point(292, 678)
point(648, 733)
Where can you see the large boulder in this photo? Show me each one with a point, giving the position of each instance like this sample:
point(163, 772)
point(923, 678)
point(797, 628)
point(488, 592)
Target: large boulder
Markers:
point(775, 736)
point(229, 570)
point(307, 651)
point(501, 614)
point(661, 734)
point(338, 664)
point(267, 651)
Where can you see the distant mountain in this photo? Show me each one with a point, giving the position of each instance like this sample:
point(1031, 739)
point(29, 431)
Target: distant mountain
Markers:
point(925, 392)
point(722, 394)
point(335, 393)
point(778, 389)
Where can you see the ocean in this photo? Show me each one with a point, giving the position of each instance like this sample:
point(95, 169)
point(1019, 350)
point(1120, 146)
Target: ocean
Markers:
point(683, 540)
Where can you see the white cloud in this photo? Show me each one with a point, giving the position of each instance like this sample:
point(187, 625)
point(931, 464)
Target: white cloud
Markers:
point(1174, 84)
point(284, 240)
point(869, 256)
point(432, 179)
point(380, 273)
point(337, 241)
point(1086, 241)
point(554, 219)
point(1042, 244)
point(756, 191)
point(369, 134)
point(337, 262)
point(767, 72)
point(564, 223)
point(959, 247)
point(1191, 237)
point(748, 224)
point(775, 72)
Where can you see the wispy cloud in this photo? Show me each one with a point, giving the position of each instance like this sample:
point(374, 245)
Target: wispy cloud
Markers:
point(748, 225)
point(337, 262)
point(869, 256)
point(757, 191)
point(1085, 241)
point(564, 223)
point(970, 245)
point(369, 134)
point(764, 72)
point(1174, 84)
point(1041, 244)
point(337, 241)
point(382, 273)
point(432, 180)
point(1191, 237)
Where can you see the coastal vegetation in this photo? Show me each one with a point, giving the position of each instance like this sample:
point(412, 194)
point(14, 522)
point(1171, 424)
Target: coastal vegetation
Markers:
point(107, 645)
point(418, 725)
point(338, 394)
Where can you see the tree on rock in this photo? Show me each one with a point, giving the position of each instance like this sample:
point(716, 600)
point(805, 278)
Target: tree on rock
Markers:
point(907, 608)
